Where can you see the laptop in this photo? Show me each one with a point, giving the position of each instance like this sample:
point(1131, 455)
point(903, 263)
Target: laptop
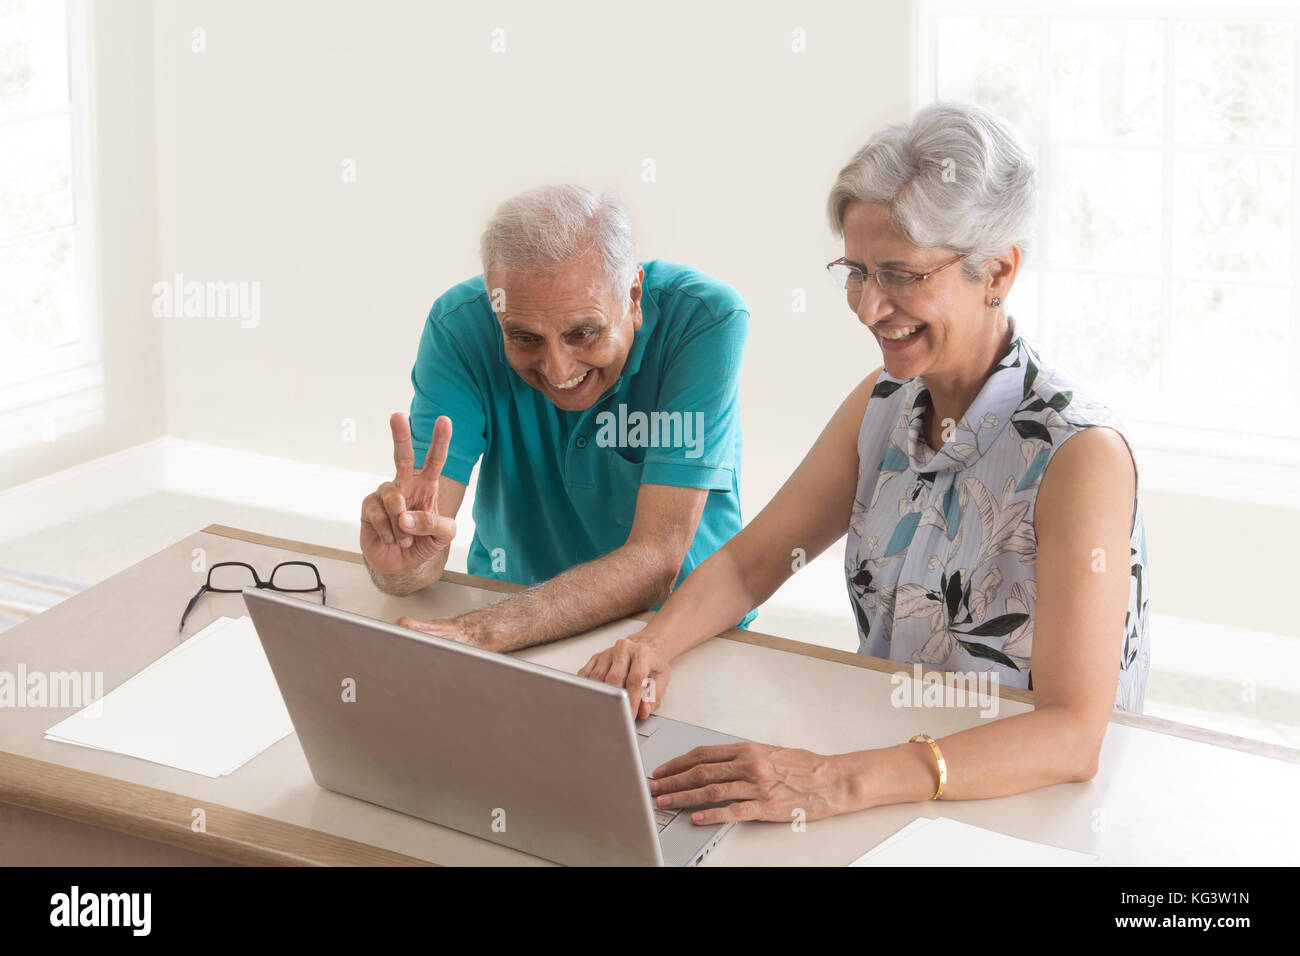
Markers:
point(507, 750)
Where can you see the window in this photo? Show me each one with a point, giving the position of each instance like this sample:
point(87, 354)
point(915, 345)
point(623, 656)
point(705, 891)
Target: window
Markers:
point(50, 374)
point(1167, 248)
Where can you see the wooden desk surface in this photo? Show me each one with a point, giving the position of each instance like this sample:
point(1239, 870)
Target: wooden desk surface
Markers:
point(1165, 793)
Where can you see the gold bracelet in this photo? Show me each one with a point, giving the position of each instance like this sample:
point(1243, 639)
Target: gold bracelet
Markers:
point(938, 755)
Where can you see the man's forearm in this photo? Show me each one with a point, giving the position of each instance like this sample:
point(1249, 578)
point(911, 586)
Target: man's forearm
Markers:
point(626, 581)
point(403, 583)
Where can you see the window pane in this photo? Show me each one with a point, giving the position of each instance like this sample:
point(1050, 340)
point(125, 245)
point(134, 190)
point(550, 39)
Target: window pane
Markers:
point(35, 176)
point(1107, 78)
point(993, 62)
point(1105, 207)
point(1235, 82)
point(33, 56)
point(1022, 304)
point(1232, 214)
point(37, 297)
point(1106, 329)
point(1221, 330)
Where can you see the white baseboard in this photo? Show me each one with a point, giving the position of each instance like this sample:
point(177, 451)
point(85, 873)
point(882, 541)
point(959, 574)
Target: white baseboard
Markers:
point(266, 481)
point(83, 489)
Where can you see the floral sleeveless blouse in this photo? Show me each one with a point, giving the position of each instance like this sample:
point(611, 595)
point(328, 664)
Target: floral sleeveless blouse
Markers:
point(941, 553)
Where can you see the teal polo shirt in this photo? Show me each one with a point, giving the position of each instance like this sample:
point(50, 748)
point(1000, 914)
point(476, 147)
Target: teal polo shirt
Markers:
point(558, 488)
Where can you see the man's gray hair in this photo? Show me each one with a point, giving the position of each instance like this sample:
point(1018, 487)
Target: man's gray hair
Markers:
point(539, 230)
point(956, 176)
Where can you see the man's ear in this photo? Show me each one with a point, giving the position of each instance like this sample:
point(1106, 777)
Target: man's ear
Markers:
point(635, 294)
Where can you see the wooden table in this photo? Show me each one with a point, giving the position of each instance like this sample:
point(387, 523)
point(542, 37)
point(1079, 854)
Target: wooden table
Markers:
point(1165, 793)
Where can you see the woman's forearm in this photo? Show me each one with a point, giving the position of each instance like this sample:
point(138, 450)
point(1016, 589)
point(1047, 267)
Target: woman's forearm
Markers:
point(712, 599)
point(1005, 757)
point(810, 512)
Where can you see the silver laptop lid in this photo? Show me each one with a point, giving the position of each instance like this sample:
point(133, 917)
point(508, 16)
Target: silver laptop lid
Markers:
point(504, 749)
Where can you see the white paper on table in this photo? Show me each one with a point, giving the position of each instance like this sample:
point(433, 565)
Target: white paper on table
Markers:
point(939, 841)
point(208, 706)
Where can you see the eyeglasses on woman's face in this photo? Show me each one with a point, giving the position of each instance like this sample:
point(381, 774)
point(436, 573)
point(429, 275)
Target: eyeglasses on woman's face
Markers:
point(895, 283)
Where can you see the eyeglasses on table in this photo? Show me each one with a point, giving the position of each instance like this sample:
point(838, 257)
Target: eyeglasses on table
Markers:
point(231, 577)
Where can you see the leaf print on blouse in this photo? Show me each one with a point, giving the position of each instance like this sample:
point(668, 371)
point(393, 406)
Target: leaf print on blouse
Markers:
point(1036, 464)
point(962, 451)
point(1131, 637)
point(891, 465)
point(1031, 370)
point(1002, 529)
point(951, 618)
point(1020, 642)
point(903, 534)
point(879, 601)
point(861, 510)
point(885, 388)
point(945, 514)
point(1057, 403)
point(986, 592)
point(1033, 420)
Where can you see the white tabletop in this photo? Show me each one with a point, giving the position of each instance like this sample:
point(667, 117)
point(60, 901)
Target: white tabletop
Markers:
point(1157, 799)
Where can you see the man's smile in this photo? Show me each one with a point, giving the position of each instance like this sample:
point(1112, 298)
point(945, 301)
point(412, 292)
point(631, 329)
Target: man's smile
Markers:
point(572, 385)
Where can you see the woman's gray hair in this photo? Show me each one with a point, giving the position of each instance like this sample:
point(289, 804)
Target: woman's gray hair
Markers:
point(539, 230)
point(956, 176)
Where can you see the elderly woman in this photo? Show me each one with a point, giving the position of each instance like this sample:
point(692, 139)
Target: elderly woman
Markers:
point(991, 506)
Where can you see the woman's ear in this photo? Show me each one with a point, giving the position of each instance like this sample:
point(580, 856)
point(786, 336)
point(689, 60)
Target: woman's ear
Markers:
point(1001, 273)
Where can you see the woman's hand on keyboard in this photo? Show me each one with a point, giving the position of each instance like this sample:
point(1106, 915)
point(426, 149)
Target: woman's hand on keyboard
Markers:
point(638, 666)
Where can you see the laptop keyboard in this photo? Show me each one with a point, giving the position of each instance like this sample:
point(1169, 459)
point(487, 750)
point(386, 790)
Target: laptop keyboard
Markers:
point(665, 817)
point(645, 729)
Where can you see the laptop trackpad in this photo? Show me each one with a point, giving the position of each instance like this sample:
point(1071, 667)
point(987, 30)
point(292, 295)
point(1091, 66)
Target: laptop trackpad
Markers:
point(661, 739)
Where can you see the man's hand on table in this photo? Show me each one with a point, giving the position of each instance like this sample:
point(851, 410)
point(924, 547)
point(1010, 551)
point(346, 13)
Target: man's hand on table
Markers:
point(401, 528)
point(454, 629)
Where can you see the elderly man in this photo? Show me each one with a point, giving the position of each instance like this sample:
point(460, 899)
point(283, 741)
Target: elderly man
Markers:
point(599, 395)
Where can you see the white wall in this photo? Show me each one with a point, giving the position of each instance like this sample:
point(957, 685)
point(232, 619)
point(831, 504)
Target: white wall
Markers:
point(745, 135)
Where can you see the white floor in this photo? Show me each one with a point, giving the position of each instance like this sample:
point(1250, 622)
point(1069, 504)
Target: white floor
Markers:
point(1238, 682)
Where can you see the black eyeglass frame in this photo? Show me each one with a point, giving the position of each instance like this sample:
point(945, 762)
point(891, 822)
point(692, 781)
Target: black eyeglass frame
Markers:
point(914, 279)
point(257, 582)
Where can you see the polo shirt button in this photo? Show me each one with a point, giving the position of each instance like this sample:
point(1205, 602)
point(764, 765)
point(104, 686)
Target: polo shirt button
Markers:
point(582, 441)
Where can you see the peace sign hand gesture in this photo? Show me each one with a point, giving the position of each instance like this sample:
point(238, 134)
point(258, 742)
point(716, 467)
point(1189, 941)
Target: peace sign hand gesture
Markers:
point(401, 528)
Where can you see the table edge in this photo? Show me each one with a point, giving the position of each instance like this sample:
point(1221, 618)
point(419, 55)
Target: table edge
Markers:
point(235, 836)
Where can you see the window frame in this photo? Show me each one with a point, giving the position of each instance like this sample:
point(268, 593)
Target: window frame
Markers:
point(64, 384)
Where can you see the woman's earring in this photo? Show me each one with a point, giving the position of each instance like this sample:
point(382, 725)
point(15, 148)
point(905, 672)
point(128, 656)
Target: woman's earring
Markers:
point(996, 302)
